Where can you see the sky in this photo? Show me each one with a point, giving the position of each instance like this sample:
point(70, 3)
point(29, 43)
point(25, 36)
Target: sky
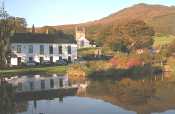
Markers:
point(60, 12)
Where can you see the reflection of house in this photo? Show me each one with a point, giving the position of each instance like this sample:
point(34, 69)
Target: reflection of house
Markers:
point(82, 42)
point(38, 83)
point(39, 47)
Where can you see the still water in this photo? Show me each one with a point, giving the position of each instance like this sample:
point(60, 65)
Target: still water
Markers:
point(38, 94)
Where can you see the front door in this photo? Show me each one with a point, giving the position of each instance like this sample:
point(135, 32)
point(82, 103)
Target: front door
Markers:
point(30, 59)
point(19, 60)
point(69, 59)
point(41, 60)
point(51, 59)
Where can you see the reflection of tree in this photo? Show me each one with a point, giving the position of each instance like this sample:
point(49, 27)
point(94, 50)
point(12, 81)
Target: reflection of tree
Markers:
point(134, 92)
point(21, 106)
point(8, 102)
point(7, 99)
point(143, 97)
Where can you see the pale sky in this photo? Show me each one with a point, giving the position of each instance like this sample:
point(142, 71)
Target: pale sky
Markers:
point(59, 12)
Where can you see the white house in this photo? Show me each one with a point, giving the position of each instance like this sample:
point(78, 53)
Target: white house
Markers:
point(80, 34)
point(39, 47)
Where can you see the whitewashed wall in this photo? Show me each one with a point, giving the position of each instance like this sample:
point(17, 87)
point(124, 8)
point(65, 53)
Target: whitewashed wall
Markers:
point(36, 51)
point(86, 43)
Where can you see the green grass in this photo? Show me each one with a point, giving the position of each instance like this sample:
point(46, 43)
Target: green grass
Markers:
point(86, 51)
point(27, 70)
point(163, 40)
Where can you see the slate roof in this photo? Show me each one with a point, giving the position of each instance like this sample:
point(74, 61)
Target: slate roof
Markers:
point(60, 38)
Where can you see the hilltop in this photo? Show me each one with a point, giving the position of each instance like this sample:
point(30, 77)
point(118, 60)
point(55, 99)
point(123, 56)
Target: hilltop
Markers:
point(160, 17)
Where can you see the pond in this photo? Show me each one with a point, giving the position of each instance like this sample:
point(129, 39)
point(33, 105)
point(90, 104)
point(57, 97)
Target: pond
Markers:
point(53, 94)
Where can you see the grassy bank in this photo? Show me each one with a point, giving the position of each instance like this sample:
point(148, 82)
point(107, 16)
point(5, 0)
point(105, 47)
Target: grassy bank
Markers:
point(121, 65)
point(27, 70)
point(86, 51)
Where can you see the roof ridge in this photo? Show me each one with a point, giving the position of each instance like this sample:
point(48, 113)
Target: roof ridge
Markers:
point(42, 38)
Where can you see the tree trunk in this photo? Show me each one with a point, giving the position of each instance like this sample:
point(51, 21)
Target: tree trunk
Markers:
point(4, 49)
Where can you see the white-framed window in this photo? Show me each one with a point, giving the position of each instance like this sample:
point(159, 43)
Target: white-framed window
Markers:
point(18, 48)
point(30, 48)
point(42, 49)
point(42, 84)
point(69, 50)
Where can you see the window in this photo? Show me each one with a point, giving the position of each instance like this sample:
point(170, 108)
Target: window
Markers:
point(30, 48)
point(51, 49)
point(69, 49)
point(60, 49)
point(61, 82)
point(18, 48)
point(42, 84)
point(51, 83)
point(41, 49)
point(20, 86)
point(31, 85)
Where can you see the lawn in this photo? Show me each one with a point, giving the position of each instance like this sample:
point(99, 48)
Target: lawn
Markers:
point(86, 51)
point(27, 70)
point(163, 40)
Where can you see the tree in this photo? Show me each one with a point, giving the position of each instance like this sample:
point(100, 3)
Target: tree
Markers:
point(33, 28)
point(7, 99)
point(118, 45)
point(6, 28)
point(134, 34)
point(19, 24)
point(51, 30)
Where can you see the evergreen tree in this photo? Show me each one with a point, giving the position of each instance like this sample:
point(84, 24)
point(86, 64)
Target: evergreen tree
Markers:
point(33, 28)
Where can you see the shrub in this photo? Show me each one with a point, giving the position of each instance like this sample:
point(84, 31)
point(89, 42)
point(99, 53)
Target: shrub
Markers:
point(133, 62)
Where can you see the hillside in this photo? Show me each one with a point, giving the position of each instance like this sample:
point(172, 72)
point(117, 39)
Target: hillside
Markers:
point(161, 18)
point(139, 11)
point(163, 40)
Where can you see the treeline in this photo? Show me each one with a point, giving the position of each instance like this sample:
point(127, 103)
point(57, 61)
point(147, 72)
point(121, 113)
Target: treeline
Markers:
point(125, 37)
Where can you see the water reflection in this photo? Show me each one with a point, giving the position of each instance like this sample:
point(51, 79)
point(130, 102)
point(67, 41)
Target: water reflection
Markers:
point(143, 97)
point(38, 83)
point(54, 94)
point(7, 98)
